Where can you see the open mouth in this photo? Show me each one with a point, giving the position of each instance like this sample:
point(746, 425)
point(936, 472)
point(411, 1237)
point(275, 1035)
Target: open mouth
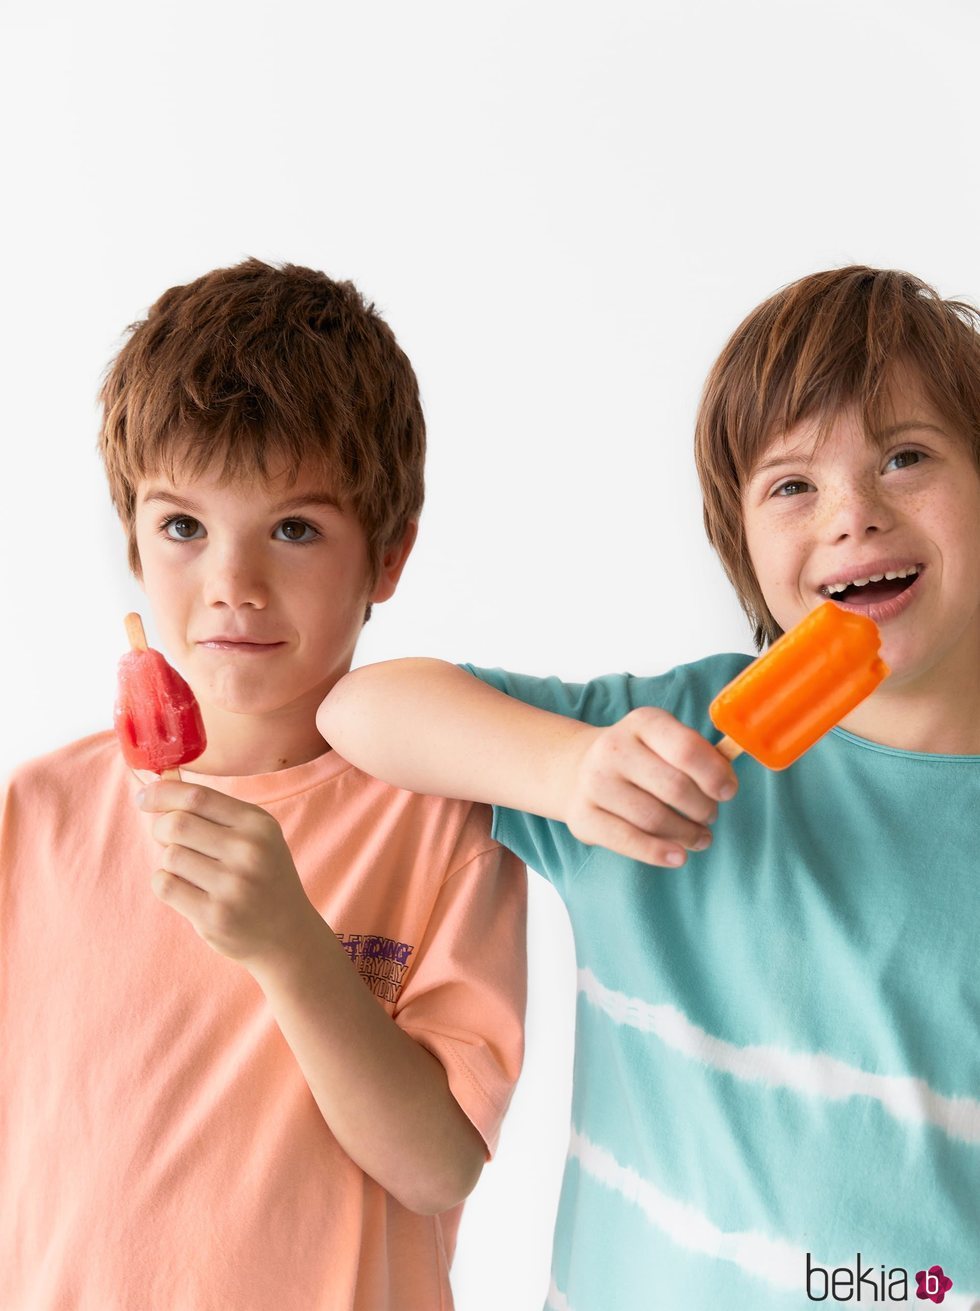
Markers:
point(875, 590)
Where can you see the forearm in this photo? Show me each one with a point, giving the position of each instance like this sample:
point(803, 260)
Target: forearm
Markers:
point(385, 1098)
point(432, 727)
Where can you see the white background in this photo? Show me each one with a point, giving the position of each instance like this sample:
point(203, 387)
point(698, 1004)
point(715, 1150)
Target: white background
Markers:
point(563, 210)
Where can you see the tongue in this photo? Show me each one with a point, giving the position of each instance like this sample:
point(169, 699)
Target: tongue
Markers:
point(873, 593)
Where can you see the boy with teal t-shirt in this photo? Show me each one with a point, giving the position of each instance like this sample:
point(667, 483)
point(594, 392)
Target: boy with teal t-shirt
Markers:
point(777, 1073)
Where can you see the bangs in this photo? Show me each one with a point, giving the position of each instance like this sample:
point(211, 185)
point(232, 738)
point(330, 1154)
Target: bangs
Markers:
point(876, 404)
point(212, 410)
point(237, 457)
point(814, 352)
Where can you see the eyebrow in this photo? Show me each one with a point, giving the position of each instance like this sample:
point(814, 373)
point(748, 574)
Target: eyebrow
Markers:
point(911, 424)
point(797, 455)
point(293, 503)
point(801, 455)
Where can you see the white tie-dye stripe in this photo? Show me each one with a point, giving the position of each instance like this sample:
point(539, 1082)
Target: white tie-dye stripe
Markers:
point(812, 1073)
point(771, 1260)
point(557, 1301)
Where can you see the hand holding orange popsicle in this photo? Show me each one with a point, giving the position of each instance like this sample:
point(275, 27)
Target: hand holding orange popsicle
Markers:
point(649, 786)
point(807, 681)
point(157, 719)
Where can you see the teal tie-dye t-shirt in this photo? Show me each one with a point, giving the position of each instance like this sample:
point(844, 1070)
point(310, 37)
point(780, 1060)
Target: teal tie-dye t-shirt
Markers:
point(777, 1068)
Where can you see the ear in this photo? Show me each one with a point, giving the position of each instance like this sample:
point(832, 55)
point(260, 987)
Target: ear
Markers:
point(393, 563)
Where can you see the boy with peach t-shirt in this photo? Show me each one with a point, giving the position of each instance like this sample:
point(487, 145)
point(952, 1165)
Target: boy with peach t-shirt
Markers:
point(273, 1083)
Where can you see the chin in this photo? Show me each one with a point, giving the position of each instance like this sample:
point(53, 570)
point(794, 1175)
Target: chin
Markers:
point(906, 662)
point(251, 698)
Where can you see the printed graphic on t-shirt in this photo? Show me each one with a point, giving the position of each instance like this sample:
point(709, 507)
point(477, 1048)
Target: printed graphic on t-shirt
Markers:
point(381, 962)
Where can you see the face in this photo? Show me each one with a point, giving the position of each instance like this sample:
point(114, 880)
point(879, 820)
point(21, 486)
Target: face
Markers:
point(893, 533)
point(259, 593)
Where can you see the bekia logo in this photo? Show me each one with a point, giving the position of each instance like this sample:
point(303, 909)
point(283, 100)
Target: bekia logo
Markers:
point(868, 1284)
point(933, 1285)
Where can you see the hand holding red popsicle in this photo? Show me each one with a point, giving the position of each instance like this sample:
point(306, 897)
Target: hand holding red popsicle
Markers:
point(156, 717)
point(225, 865)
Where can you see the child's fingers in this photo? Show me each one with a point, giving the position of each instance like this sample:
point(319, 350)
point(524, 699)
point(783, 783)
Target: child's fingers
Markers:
point(648, 770)
point(687, 751)
point(183, 895)
point(652, 812)
point(186, 829)
point(193, 797)
point(190, 866)
point(619, 835)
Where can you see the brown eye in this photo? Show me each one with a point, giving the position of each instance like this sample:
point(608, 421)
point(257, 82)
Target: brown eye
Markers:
point(294, 530)
point(184, 528)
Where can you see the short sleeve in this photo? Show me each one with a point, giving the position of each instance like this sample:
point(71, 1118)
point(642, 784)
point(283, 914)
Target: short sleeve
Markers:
point(10, 813)
point(547, 845)
point(465, 997)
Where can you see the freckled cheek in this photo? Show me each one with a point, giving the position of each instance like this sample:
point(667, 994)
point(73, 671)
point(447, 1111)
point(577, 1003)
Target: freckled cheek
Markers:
point(830, 507)
point(779, 552)
point(957, 538)
point(919, 505)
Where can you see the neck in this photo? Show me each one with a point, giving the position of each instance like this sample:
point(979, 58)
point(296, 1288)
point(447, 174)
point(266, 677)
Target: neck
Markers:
point(938, 713)
point(240, 745)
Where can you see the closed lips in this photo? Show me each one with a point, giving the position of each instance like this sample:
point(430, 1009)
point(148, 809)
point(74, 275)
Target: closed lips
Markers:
point(243, 643)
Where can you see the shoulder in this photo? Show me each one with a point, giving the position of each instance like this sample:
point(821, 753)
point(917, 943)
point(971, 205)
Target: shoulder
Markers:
point(85, 764)
point(454, 831)
point(87, 761)
point(599, 701)
point(45, 796)
point(685, 691)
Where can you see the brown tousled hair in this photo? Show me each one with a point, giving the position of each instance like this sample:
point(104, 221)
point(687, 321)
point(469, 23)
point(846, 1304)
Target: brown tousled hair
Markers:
point(257, 369)
point(822, 344)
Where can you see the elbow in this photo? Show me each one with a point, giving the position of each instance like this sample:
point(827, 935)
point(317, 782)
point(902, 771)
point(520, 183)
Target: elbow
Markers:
point(432, 1195)
point(331, 715)
point(366, 696)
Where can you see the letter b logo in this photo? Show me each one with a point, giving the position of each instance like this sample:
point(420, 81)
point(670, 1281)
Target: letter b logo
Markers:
point(814, 1275)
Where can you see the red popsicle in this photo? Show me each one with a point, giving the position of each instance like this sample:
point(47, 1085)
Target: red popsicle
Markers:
point(157, 719)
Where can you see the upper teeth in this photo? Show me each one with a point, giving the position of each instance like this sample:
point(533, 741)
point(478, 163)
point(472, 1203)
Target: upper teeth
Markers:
point(831, 588)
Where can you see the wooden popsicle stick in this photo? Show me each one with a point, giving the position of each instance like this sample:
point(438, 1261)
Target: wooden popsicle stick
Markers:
point(729, 748)
point(137, 641)
point(134, 631)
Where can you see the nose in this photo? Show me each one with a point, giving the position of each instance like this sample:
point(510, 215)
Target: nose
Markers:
point(234, 578)
point(855, 510)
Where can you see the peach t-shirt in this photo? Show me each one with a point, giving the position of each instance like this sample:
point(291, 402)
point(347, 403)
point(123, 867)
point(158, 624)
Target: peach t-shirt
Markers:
point(159, 1147)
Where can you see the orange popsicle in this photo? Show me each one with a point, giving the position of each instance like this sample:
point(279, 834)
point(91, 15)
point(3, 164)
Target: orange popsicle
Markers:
point(157, 718)
point(807, 681)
